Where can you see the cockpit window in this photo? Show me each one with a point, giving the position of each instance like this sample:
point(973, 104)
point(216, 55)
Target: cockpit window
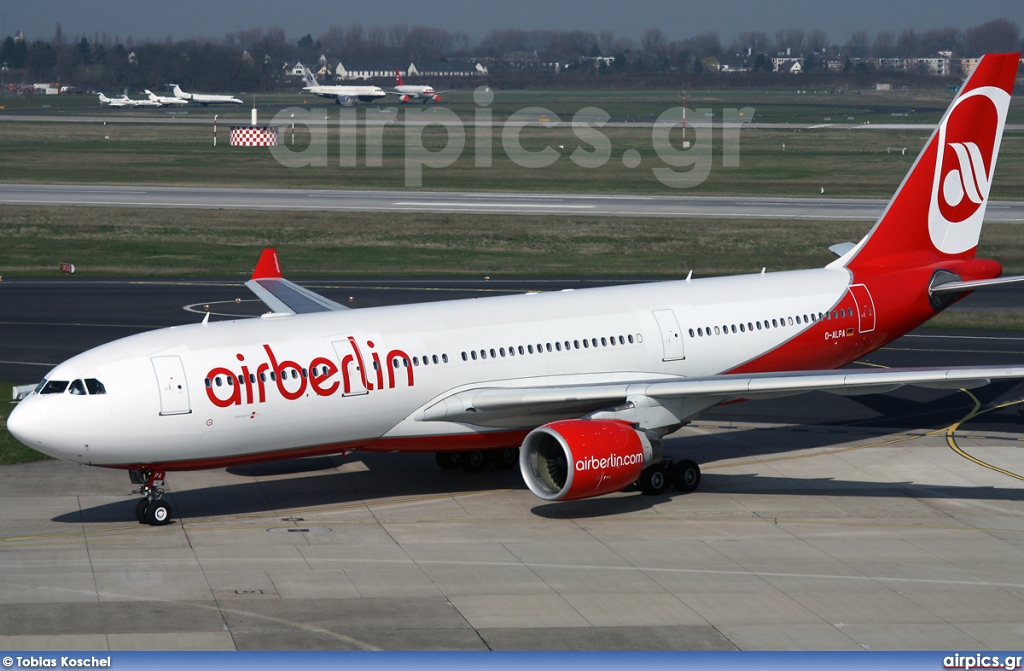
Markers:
point(39, 387)
point(95, 386)
point(54, 387)
point(77, 388)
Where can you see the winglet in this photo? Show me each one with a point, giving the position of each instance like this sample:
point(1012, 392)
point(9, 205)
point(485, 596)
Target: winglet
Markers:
point(268, 265)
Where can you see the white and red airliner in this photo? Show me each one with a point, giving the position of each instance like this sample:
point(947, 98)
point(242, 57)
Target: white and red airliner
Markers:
point(407, 93)
point(581, 385)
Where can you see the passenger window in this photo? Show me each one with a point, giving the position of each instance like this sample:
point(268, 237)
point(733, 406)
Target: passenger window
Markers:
point(218, 381)
point(434, 358)
point(558, 346)
point(586, 344)
point(464, 357)
point(473, 354)
point(576, 344)
point(416, 361)
point(630, 338)
point(604, 343)
point(790, 321)
point(521, 351)
point(566, 345)
point(549, 347)
point(77, 388)
point(252, 376)
point(622, 342)
point(207, 382)
point(717, 331)
point(501, 351)
point(493, 355)
point(444, 357)
point(691, 335)
point(742, 329)
point(94, 386)
point(775, 323)
point(483, 354)
point(734, 328)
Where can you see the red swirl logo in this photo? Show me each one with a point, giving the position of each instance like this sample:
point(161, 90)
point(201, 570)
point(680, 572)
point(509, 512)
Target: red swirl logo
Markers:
point(966, 158)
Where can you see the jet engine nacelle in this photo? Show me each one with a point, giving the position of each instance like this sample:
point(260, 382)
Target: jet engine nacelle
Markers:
point(347, 101)
point(580, 458)
point(437, 98)
point(405, 99)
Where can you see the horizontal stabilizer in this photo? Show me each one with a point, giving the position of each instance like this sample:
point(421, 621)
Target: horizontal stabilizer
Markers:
point(957, 287)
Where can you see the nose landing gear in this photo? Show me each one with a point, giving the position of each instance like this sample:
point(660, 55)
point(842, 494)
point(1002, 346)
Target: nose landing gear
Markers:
point(151, 510)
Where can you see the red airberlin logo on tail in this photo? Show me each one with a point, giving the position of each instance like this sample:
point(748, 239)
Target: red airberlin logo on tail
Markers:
point(968, 141)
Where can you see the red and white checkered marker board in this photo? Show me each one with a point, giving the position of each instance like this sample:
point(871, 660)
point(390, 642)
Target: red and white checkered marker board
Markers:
point(254, 136)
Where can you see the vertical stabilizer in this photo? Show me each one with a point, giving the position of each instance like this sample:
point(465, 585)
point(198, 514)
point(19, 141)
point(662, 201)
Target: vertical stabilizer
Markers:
point(937, 212)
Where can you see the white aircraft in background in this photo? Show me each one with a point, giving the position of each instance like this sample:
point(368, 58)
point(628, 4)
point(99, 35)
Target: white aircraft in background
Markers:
point(205, 99)
point(410, 92)
point(587, 382)
point(343, 94)
point(165, 101)
point(125, 101)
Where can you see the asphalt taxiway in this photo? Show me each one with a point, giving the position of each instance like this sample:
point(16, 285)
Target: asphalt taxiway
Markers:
point(822, 522)
point(603, 205)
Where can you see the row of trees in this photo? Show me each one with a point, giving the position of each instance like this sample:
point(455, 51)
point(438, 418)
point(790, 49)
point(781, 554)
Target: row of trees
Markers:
point(255, 59)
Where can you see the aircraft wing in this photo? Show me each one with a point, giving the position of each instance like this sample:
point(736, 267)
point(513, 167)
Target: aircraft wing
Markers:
point(485, 405)
point(281, 295)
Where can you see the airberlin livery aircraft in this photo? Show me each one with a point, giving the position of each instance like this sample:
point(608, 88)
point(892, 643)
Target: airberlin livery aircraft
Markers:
point(410, 92)
point(584, 384)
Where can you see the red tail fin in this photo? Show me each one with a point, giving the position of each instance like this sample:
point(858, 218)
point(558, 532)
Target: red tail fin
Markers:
point(938, 211)
point(398, 78)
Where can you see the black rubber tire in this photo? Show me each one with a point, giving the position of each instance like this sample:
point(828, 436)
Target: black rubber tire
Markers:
point(505, 458)
point(654, 480)
point(686, 476)
point(449, 461)
point(158, 514)
point(473, 461)
point(140, 510)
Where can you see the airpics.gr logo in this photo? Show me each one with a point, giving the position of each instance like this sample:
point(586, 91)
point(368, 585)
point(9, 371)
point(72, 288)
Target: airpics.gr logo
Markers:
point(968, 142)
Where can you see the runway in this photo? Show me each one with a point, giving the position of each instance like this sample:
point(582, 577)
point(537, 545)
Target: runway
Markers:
point(865, 209)
point(822, 522)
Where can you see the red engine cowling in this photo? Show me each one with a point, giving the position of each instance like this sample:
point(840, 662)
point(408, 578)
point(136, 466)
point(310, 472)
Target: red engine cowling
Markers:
point(405, 99)
point(437, 98)
point(580, 458)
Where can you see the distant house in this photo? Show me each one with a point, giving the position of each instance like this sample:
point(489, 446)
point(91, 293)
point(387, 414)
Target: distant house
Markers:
point(378, 70)
point(298, 70)
point(788, 64)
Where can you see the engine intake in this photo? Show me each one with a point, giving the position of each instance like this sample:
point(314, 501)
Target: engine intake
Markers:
point(581, 458)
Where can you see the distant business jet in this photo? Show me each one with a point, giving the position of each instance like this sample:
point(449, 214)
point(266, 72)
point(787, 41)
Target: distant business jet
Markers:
point(125, 101)
point(205, 99)
point(410, 92)
point(577, 387)
point(165, 101)
point(342, 94)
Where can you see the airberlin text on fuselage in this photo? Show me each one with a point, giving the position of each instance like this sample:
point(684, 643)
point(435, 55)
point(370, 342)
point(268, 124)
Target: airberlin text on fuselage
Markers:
point(249, 385)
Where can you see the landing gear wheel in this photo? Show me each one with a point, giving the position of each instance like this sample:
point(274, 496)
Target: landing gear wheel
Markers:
point(473, 461)
point(140, 510)
point(449, 461)
point(654, 480)
point(686, 476)
point(506, 458)
point(158, 513)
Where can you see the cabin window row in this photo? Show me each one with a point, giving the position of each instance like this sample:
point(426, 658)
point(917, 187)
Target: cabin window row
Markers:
point(702, 331)
point(557, 346)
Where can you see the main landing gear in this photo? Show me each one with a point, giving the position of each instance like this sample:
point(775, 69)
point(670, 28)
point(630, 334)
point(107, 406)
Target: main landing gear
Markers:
point(152, 510)
point(655, 480)
point(477, 460)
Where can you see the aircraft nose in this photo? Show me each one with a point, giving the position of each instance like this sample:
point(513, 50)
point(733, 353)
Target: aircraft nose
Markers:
point(20, 422)
point(28, 423)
